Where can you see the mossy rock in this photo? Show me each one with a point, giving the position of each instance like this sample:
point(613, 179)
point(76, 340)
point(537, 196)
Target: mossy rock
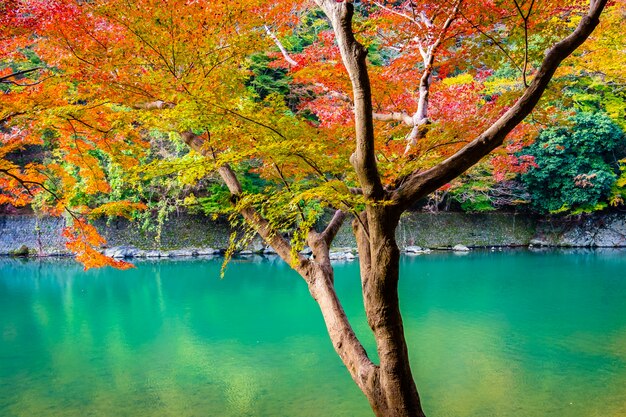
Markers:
point(22, 252)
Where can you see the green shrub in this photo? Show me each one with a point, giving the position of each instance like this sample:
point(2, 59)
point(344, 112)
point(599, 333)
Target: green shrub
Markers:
point(575, 166)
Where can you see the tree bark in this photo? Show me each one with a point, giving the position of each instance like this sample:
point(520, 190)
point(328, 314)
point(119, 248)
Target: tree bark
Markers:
point(354, 57)
point(379, 257)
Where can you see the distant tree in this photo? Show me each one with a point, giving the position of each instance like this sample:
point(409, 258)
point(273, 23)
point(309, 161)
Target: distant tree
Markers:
point(575, 166)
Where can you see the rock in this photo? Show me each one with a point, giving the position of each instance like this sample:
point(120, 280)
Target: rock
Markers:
point(206, 251)
point(153, 254)
point(336, 256)
point(179, 253)
point(577, 238)
point(245, 253)
point(121, 252)
point(539, 241)
point(21, 252)
point(413, 249)
point(342, 254)
point(268, 250)
point(610, 238)
point(416, 250)
point(460, 248)
point(306, 251)
point(256, 246)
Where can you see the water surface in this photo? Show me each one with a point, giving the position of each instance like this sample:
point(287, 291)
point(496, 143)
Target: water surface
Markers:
point(490, 334)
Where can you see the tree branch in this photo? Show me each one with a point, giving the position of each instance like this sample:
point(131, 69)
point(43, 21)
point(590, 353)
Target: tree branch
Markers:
point(419, 185)
point(254, 219)
point(525, 17)
point(354, 56)
point(420, 117)
point(394, 116)
point(333, 227)
point(282, 48)
point(318, 275)
point(344, 340)
point(6, 78)
point(492, 39)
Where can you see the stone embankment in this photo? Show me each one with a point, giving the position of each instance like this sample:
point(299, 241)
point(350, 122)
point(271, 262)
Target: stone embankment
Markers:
point(418, 233)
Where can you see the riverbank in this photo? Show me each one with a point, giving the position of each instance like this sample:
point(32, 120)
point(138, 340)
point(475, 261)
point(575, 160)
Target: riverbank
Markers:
point(187, 235)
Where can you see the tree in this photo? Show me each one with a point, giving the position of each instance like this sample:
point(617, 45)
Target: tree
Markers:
point(129, 68)
point(575, 167)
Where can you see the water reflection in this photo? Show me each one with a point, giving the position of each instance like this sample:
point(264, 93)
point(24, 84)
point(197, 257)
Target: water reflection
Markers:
point(497, 334)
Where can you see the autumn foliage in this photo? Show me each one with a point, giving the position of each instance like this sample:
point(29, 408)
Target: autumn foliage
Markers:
point(85, 86)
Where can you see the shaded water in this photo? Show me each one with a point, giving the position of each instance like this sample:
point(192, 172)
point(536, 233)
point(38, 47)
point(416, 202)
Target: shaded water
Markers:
point(490, 334)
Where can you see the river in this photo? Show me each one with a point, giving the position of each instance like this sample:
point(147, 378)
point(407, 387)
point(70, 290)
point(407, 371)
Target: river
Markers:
point(514, 333)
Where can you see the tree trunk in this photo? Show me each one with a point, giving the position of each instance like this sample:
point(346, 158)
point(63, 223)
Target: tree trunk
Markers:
point(395, 393)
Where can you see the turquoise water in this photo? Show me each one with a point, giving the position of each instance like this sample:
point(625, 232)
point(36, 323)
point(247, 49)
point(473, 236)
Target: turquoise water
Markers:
point(490, 334)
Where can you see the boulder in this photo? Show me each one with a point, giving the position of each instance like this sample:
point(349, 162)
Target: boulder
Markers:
point(610, 238)
point(268, 250)
point(345, 254)
point(206, 251)
point(21, 252)
point(121, 252)
point(256, 246)
point(539, 241)
point(180, 253)
point(416, 250)
point(460, 248)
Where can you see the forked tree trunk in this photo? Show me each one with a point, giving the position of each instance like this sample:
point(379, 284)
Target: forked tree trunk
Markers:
point(379, 257)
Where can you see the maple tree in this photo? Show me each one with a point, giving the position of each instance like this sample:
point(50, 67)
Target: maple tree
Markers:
point(91, 82)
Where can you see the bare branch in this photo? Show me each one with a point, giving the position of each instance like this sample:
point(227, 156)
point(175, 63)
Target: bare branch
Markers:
point(345, 341)
point(420, 118)
point(280, 45)
point(525, 17)
point(6, 78)
point(427, 21)
point(395, 116)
